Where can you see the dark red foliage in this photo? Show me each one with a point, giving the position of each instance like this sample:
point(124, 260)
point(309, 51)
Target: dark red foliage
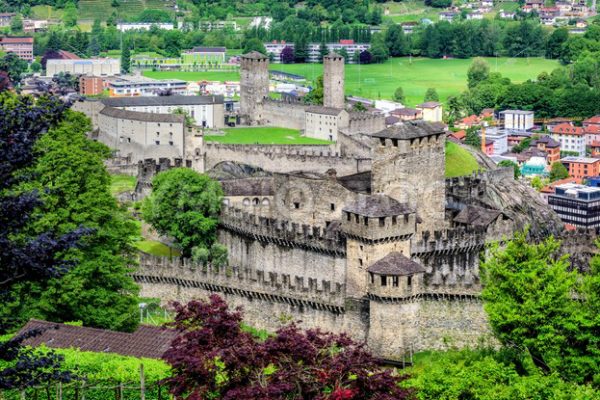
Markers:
point(214, 358)
point(365, 57)
point(287, 55)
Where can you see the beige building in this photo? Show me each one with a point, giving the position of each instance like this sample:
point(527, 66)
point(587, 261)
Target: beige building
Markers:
point(432, 111)
point(92, 66)
point(325, 122)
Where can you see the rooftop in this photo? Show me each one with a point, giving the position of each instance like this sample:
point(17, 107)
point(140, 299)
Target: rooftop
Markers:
point(377, 205)
point(254, 55)
point(16, 39)
point(406, 111)
point(396, 264)
point(583, 160)
point(476, 216)
point(208, 50)
point(429, 104)
point(146, 341)
point(141, 101)
point(518, 112)
point(142, 116)
point(324, 110)
point(411, 130)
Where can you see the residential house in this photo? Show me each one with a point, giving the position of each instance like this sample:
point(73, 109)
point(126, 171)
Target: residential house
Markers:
point(592, 134)
point(90, 85)
point(487, 113)
point(535, 4)
point(432, 111)
point(409, 27)
point(468, 122)
point(499, 137)
point(458, 136)
point(507, 14)
point(582, 167)
point(595, 148)
point(448, 16)
point(595, 120)
point(407, 114)
point(571, 138)
point(5, 19)
point(488, 148)
point(550, 146)
point(475, 15)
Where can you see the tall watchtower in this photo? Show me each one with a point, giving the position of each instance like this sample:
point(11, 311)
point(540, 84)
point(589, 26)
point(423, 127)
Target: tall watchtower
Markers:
point(254, 85)
point(333, 80)
point(409, 165)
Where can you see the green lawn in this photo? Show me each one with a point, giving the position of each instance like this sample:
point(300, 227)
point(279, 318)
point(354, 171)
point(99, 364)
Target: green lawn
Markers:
point(416, 75)
point(459, 161)
point(156, 248)
point(263, 135)
point(122, 183)
point(46, 12)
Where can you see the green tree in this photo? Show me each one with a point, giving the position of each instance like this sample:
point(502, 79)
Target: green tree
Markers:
point(323, 51)
point(344, 53)
point(300, 48)
point(185, 205)
point(99, 290)
point(555, 42)
point(399, 95)
point(69, 16)
point(537, 183)
point(379, 50)
point(396, 41)
point(472, 137)
point(558, 171)
point(254, 44)
point(16, 24)
point(478, 72)
point(14, 67)
point(315, 96)
point(35, 66)
point(125, 58)
point(515, 166)
point(431, 95)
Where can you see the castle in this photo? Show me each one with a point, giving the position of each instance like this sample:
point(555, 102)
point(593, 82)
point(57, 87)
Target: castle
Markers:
point(365, 236)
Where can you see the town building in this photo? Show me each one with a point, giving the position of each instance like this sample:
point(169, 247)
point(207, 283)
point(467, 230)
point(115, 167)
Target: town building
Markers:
point(204, 55)
point(550, 146)
point(5, 19)
point(91, 85)
point(448, 16)
point(206, 111)
point(91, 66)
point(517, 120)
point(499, 137)
point(571, 138)
point(409, 27)
point(458, 136)
point(432, 111)
point(314, 49)
point(488, 147)
point(139, 86)
point(595, 148)
point(21, 46)
point(325, 122)
point(581, 167)
point(143, 26)
point(534, 166)
point(577, 205)
point(551, 188)
point(468, 122)
point(407, 113)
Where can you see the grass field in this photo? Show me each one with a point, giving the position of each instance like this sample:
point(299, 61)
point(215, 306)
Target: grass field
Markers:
point(448, 77)
point(156, 248)
point(263, 135)
point(122, 183)
point(102, 9)
point(459, 161)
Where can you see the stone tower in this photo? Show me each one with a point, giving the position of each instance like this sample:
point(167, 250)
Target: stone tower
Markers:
point(254, 86)
point(409, 165)
point(333, 81)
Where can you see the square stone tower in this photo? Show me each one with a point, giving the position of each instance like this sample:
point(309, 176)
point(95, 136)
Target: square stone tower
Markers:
point(254, 86)
point(333, 81)
point(409, 165)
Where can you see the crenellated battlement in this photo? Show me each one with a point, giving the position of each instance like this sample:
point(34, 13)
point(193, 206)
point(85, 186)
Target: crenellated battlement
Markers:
point(316, 150)
point(449, 241)
point(282, 232)
point(254, 283)
point(478, 177)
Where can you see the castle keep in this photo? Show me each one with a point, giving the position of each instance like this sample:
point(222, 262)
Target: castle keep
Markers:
point(365, 235)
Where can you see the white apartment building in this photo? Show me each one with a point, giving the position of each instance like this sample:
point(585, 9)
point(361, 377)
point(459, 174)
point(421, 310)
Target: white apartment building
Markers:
point(276, 48)
point(146, 87)
point(91, 67)
point(517, 120)
point(144, 26)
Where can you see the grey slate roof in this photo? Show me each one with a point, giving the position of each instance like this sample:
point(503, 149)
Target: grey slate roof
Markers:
point(429, 104)
point(377, 205)
point(142, 116)
point(396, 264)
point(255, 55)
point(411, 130)
point(248, 187)
point(324, 110)
point(476, 216)
point(142, 101)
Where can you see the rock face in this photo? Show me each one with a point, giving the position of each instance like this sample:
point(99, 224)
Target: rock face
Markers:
point(233, 170)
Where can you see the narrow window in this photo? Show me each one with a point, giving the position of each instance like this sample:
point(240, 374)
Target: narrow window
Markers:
point(157, 142)
point(332, 207)
point(409, 281)
point(296, 205)
point(360, 262)
point(395, 281)
point(381, 221)
point(383, 280)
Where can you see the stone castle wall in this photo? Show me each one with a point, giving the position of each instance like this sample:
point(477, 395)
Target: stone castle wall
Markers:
point(279, 113)
point(284, 159)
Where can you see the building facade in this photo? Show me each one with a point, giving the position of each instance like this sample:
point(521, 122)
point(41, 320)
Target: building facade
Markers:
point(517, 120)
point(431, 111)
point(333, 81)
point(146, 87)
point(204, 55)
point(582, 167)
point(92, 67)
point(325, 122)
point(91, 85)
point(254, 85)
point(571, 138)
point(577, 205)
point(314, 49)
point(206, 111)
point(21, 46)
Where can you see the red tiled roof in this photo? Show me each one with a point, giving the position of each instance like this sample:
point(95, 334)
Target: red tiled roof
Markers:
point(460, 135)
point(595, 143)
point(67, 55)
point(592, 129)
point(593, 120)
point(7, 39)
point(567, 129)
point(147, 341)
point(470, 120)
point(551, 188)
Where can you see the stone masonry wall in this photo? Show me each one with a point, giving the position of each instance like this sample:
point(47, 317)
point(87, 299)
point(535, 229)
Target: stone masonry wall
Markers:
point(278, 113)
point(284, 159)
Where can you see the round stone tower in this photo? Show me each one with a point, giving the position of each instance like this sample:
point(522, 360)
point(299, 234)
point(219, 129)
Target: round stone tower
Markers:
point(254, 86)
point(333, 80)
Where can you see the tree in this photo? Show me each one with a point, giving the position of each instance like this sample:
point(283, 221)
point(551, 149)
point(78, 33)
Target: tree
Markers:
point(365, 57)
point(323, 51)
point(287, 55)
point(472, 137)
point(555, 42)
point(300, 48)
point(537, 183)
point(399, 95)
point(16, 24)
point(214, 357)
point(510, 164)
point(125, 58)
point(356, 57)
point(558, 171)
point(69, 16)
point(35, 66)
point(94, 46)
point(396, 41)
point(14, 67)
point(478, 72)
point(254, 44)
point(98, 290)
point(315, 96)
point(26, 258)
point(537, 304)
point(184, 205)
point(379, 50)
point(344, 53)
point(431, 95)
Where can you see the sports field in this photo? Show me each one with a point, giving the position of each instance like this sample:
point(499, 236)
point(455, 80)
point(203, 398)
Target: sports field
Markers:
point(263, 135)
point(415, 75)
